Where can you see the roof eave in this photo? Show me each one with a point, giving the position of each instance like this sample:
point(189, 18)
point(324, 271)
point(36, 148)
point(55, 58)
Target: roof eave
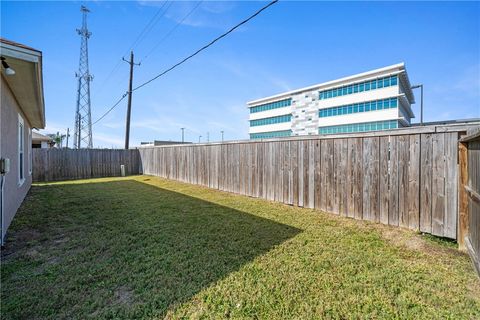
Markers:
point(407, 86)
point(400, 67)
point(23, 56)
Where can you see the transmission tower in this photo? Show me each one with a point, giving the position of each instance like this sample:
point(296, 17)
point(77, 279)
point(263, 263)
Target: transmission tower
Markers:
point(83, 119)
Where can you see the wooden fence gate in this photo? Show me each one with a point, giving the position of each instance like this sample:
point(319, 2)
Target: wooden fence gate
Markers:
point(469, 197)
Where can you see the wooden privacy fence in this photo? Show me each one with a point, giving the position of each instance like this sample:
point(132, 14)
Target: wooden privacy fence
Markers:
point(406, 178)
point(66, 164)
point(469, 197)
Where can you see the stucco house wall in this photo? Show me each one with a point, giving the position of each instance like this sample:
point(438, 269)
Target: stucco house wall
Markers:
point(13, 191)
point(22, 102)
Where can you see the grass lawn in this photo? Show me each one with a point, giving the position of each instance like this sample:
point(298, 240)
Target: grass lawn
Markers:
point(143, 247)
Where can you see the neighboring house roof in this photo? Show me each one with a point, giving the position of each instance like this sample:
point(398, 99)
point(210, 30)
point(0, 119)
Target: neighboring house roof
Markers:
point(27, 82)
point(37, 137)
point(16, 44)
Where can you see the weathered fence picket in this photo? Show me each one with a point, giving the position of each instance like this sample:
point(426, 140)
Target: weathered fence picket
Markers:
point(405, 178)
point(68, 164)
point(469, 196)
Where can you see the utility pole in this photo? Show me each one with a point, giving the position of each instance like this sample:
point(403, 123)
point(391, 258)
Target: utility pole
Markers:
point(68, 135)
point(183, 134)
point(421, 101)
point(129, 107)
point(222, 134)
point(421, 105)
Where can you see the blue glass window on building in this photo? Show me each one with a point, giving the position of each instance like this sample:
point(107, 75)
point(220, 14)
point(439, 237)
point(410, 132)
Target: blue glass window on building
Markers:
point(359, 87)
point(271, 120)
point(269, 135)
point(359, 127)
point(359, 107)
point(271, 105)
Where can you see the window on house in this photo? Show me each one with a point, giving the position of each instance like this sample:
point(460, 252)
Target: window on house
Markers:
point(21, 150)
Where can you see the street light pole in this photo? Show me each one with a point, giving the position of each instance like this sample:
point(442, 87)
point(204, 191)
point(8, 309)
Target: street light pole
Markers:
point(199, 138)
point(421, 101)
point(183, 135)
point(68, 135)
point(222, 134)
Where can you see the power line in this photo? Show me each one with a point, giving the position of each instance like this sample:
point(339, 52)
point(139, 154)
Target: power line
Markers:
point(139, 38)
point(172, 30)
point(148, 28)
point(113, 107)
point(189, 57)
point(207, 45)
point(145, 31)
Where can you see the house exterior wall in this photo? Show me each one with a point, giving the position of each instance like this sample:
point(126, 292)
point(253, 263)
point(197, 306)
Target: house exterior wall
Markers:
point(13, 191)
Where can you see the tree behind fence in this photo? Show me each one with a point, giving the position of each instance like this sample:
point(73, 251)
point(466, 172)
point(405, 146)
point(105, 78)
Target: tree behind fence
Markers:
point(66, 164)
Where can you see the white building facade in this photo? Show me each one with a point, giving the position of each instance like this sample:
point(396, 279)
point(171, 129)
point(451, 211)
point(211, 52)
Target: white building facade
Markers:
point(375, 100)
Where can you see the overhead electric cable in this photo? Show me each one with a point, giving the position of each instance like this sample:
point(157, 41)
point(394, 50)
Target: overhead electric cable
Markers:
point(113, 107)
point(190, 56)
point(172, 30)
point(206, 46)
point(145, 31)
point(148, 28)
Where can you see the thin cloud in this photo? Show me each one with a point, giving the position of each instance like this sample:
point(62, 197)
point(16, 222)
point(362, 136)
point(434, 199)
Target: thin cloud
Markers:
point(469, 83)
point(53, 127)
point(108, 140)
point(254, 72)
point(218, 7)
point(208, 14)
point(112, 125)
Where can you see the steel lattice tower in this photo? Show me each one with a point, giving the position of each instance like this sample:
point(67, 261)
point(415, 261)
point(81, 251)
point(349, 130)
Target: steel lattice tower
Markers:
point(83, 117)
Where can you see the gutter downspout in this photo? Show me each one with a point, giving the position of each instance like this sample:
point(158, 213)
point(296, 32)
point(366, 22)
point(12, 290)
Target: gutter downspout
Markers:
point(2, 178)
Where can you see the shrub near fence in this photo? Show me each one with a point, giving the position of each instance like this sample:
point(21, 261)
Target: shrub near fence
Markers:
point(406, 178)
point(66, 164)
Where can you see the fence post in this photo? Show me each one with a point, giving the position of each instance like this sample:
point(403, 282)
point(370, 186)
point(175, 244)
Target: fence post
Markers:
point(463, 214)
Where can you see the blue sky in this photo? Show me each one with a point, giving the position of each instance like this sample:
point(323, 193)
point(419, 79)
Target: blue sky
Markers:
point(291, 45)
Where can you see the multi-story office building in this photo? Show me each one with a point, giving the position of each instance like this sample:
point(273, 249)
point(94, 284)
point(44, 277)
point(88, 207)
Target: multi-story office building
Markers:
point(375, 100)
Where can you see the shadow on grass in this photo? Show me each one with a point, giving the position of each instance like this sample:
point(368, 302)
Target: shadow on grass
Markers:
point(123, 249)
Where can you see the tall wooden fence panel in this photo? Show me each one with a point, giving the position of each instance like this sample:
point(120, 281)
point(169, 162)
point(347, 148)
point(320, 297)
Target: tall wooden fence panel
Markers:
point(469, 197)
point(406, 178)
point(67, 164)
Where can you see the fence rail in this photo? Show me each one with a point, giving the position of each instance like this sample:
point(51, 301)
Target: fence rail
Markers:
point(406, 178)
point(66, 164)
point(469, 195)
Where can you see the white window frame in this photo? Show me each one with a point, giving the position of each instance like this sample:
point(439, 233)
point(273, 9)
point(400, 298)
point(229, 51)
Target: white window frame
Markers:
point(21, 150)
point(30, 151)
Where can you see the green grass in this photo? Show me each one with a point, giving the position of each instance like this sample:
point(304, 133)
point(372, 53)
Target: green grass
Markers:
point(143, 247)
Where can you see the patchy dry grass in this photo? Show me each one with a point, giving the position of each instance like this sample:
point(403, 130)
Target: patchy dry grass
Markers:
point(144, 247)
